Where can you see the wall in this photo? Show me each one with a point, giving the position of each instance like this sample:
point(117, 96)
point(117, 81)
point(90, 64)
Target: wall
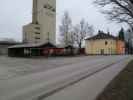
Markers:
point(95, 46)
point(120, 47)
point(29, 33)
point(46, 18)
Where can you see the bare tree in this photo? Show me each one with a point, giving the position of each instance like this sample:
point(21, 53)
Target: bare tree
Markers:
point(80, 31)
point(65, 29)
point(117, 10)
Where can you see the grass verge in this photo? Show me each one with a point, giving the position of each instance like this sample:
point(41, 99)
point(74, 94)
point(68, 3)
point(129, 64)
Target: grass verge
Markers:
point(121, 88)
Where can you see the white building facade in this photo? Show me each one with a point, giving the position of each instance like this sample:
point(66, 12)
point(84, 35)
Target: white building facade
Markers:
point(43, 26)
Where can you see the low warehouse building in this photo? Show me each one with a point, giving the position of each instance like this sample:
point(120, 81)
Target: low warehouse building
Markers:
point(38, 49)
point(27, 50)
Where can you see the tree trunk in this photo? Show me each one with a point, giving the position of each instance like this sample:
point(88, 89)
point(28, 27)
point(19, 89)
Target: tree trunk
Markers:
point(79, 51)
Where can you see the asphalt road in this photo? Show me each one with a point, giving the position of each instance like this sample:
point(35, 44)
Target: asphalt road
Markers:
point(56, 82)
point(16, 67)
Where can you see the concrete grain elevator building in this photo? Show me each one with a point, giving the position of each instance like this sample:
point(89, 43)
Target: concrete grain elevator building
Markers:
point(42, 29)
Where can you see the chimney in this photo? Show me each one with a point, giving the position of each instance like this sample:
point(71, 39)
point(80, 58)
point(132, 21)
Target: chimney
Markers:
point(34, 12)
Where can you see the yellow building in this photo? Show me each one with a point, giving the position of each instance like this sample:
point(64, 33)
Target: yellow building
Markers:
point(102, 43)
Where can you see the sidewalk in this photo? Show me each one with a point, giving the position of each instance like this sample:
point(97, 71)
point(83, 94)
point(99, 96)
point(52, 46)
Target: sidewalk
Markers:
point(121, 88)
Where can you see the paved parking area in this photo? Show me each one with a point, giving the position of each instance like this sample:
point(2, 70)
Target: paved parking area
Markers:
point(15, 67)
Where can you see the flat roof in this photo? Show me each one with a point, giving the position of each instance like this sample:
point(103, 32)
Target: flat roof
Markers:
point(28, 45)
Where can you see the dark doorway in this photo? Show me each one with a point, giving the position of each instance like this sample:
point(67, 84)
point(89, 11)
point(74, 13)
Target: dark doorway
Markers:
point(102, 51)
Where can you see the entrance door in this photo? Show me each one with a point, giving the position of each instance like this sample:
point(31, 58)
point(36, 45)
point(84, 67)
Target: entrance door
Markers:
point(102, 51)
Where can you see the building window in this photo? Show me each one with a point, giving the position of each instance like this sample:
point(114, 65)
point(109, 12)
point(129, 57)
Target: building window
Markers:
point(45, 6)
point(109, 51)
point(106, 43)
point(37, 33)
point(53, 10)
point(38, 28)
point(37, 38)
point(49, 7)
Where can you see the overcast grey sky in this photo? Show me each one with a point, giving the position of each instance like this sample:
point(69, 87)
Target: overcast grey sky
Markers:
point(16, 13)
